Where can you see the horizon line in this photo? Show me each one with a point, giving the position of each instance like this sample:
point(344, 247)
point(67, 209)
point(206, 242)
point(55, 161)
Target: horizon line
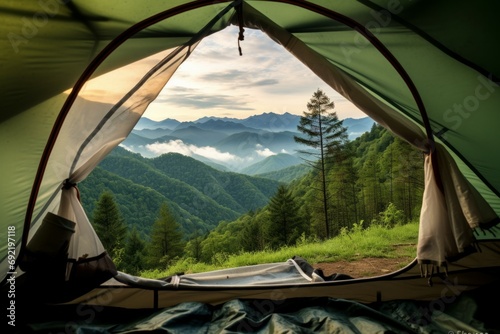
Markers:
point(243, 118)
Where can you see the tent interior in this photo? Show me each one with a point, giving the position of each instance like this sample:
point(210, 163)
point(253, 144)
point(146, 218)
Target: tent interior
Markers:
point(426, 71)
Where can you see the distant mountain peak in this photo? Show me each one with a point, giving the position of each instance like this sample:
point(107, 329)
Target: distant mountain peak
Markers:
point(147, 123)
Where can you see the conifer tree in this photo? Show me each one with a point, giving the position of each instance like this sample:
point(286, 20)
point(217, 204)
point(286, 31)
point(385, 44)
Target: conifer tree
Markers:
point(194, 246)
point(109, 224)
point(285, 223)
point(133, 255)
point(252, 236)
point(166, 238)
point(325, 134)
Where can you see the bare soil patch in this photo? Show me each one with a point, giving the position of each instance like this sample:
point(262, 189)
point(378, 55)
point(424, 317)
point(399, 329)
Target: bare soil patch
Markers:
point(366, 267)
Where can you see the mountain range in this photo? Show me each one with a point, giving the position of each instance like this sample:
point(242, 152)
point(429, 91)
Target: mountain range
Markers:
point(258, 144)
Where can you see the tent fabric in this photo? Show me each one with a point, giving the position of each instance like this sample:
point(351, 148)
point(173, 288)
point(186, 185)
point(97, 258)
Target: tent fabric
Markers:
point(293, 271)
point(426, 71)
point(450, 199)
point(467, 313)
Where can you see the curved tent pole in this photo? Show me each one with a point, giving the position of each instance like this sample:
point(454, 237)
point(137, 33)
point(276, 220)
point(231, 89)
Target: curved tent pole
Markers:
point(120, 39)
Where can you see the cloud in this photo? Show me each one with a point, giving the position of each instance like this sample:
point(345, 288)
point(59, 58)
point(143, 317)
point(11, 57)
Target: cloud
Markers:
point(178, 146)
point(238, 78)
point(266, 82)
point(194, 98)
point(128, 148)
point(266, 78)
point(226, 76)
point(265, 152)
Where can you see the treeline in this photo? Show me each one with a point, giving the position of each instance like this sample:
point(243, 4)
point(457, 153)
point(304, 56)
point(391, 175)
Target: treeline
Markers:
point(130, 250)
point(375, 179)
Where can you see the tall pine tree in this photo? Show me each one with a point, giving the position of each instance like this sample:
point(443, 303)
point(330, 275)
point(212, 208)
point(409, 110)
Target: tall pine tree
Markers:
point(109, 224)
point(326, 135)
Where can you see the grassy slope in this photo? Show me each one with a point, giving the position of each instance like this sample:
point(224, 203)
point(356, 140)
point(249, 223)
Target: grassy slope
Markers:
point(376, 241)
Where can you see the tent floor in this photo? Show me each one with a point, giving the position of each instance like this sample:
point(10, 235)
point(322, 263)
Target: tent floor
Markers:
point(472, 311)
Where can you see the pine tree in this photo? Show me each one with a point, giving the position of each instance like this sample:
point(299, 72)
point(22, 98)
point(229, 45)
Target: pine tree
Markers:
point(285, 223)
point(133, 255)
point(109, 224)
point(252, 234)
point(326, 135)
point(166, 238)
point(193, 247)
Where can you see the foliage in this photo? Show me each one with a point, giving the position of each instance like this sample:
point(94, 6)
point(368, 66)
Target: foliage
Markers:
point(199, 197)
point(194, 246)
point(109, 225)
point(358, 243)
point(288, 174)
point(285, 223)
point(252, 236)
point(166, 239)
point(134, 253)
point(223, 240)
point(391, 216)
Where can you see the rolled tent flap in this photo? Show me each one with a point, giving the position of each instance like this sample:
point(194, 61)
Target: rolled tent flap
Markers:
point(88, 262)
point(451, 209)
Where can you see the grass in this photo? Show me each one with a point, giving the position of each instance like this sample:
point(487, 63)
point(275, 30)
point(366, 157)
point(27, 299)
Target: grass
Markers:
point(375, 241)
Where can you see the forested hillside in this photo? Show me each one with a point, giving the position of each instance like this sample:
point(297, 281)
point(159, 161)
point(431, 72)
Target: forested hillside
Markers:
point(198, 195)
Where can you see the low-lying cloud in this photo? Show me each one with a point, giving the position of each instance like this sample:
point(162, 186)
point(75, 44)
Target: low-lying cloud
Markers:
point(264, 152)
point(178, 146)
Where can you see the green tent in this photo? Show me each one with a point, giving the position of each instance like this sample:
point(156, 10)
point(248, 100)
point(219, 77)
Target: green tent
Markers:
point(427, 71)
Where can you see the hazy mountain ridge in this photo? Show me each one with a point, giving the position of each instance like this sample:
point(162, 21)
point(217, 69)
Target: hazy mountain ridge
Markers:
point(272, 164)
point(228, 143)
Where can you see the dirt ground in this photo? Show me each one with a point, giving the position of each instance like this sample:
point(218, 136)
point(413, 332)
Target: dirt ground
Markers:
point(364, 267)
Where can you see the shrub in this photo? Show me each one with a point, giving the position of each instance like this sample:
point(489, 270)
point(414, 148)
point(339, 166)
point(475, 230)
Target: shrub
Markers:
point(391, 217)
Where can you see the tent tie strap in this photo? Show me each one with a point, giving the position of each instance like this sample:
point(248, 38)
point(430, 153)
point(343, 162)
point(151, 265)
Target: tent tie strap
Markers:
point(239, 11)
point(68, 184)
point(431, 270)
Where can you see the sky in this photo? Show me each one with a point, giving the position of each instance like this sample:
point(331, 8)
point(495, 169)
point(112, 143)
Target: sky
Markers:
point(216, 81)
